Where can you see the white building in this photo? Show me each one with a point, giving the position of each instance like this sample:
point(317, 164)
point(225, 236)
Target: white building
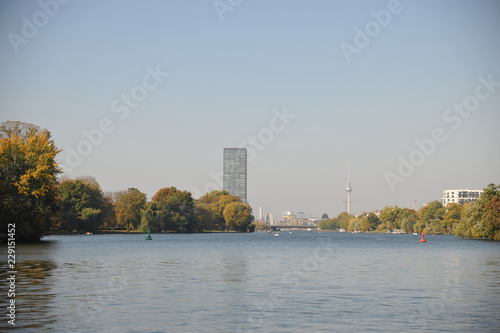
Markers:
point(460, 196)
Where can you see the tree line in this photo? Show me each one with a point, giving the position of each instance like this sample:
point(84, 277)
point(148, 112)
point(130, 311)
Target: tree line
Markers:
point(36, 201)
point(85, 207)
point(477, 219)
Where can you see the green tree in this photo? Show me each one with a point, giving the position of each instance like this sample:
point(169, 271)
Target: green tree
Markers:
point(329, 224)
point(434, 227)
point(355, 224)
point(28, 183)
point(451, 217)
point(432, 210)
point(344, 220)
point(238, 216)
point(128, 208)
point(390, 217)
point(204, 216)
point(83, 205)
point(481, 219)
point(408, 223)
point(152, 218)
point(176, 209)
point(472, 213)
point(108, 211)
point(370, 222)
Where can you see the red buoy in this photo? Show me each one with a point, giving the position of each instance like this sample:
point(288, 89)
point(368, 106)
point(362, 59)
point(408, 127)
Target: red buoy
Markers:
point(422, 239)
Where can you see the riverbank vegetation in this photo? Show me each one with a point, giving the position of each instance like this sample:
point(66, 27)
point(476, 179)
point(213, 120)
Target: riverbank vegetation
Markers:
point(479, 219)
point(37, 202)
point(34, 200)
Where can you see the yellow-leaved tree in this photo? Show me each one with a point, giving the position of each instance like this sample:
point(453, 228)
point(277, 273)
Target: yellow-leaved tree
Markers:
point(28, 180)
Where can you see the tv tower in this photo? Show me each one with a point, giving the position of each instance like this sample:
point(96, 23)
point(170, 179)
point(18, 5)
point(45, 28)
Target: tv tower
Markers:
point(349, 188)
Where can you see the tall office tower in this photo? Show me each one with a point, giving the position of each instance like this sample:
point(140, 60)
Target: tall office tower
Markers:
point(235, 172)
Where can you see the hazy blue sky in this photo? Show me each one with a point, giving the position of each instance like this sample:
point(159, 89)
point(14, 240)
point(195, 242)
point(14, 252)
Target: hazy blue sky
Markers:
point(349, 82)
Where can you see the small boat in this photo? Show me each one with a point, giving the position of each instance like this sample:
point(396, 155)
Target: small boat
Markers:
point(277, 234)
point(415, 233)
point(88, 233)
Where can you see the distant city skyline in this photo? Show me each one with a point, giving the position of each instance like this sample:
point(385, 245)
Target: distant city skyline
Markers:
point(147, 95)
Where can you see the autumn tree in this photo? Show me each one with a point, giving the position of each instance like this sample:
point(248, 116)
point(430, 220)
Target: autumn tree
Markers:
point(28, 180)
point(481, 219)
point(491, 217)
point(238, 216)
point(210, 208)
point(128, 208)
point(260, 225)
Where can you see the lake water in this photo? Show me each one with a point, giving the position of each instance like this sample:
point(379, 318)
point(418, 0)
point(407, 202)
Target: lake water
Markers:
point(229, 282)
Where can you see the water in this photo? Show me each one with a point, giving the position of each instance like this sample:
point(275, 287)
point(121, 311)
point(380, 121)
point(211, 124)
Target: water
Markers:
point(300, 282)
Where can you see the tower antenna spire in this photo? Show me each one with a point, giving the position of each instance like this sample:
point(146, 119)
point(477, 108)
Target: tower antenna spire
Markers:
point(349, 188)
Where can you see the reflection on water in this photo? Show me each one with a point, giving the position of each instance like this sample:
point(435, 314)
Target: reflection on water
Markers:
point(255, 282)
point(33, 293)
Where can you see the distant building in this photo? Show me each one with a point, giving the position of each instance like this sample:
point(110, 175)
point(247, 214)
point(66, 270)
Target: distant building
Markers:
point(460, 196)
point(235, 172)
point(324, 216)
point(270, 219)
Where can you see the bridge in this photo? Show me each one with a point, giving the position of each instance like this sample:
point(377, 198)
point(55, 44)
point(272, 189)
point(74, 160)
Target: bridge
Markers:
point(276, 227)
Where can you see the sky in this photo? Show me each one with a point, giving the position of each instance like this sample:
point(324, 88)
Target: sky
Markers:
point(146, 94)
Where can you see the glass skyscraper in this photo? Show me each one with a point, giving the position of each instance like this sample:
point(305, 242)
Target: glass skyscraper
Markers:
point(235, 172)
